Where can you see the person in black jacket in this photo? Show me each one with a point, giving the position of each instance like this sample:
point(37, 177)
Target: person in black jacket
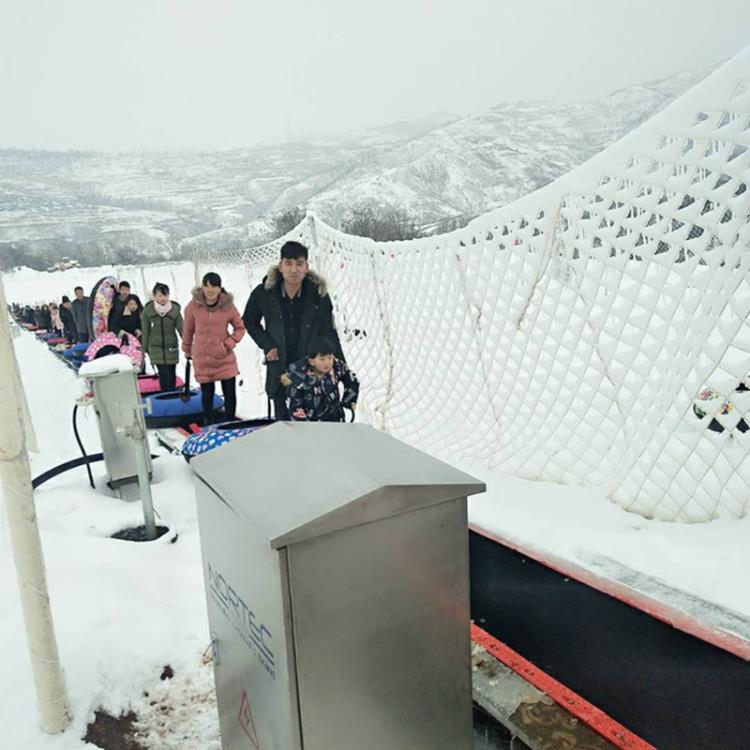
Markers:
point(293, 304)
point(130, 318)
point(46, 317)
point(313, 385)
point(118, 307)
point(68, 321)
point(80, 308)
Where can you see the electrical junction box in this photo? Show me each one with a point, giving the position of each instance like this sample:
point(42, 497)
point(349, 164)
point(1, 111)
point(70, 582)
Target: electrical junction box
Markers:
point(117, 403)
point(337, 580)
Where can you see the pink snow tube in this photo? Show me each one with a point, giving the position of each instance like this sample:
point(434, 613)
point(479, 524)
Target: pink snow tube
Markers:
point(148, 384)
point(111, 343)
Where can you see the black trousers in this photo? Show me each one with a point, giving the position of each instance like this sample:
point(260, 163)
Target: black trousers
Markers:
point(167, 377)
point(279, 405)
point(228, 390)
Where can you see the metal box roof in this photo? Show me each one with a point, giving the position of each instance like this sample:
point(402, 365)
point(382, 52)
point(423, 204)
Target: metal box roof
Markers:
point(260, 476)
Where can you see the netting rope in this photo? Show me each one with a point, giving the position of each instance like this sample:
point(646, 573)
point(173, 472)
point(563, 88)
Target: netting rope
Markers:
point(593, 332)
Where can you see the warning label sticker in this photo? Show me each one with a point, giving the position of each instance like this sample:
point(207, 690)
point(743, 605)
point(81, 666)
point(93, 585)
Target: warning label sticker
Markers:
point(246, 720)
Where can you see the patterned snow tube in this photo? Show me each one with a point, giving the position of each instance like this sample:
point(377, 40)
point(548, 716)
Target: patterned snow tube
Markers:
point(100, 303)
point(148, 384)
point(169, 410)
point(111, 343)
point(220, 434)
point(711, 402)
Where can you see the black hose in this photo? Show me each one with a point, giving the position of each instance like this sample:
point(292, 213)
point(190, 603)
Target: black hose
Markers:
point(86, 459)
point(72, 464)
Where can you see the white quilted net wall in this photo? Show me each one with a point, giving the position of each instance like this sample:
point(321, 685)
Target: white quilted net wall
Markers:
point(567, 336)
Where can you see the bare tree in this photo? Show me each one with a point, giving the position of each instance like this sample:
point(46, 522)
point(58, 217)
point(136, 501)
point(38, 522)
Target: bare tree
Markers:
point(11, 256)
point(383, 223)
point(285, 221)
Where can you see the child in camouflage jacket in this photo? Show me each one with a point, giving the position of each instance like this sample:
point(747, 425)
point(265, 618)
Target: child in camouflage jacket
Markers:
point(312, 385)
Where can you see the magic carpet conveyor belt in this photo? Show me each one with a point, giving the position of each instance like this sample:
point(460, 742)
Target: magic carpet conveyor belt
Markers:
point(669, 688)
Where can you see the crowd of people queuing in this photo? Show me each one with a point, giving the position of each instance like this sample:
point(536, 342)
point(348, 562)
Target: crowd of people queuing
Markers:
point(69, 318)
point(289, 316)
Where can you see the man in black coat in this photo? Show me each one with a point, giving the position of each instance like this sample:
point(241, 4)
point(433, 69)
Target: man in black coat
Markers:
point(68, 321)
point(114, 319)
point(293, 304)
point(80, 307)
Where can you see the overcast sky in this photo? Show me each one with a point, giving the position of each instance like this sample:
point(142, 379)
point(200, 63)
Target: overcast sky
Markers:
point(129, 74)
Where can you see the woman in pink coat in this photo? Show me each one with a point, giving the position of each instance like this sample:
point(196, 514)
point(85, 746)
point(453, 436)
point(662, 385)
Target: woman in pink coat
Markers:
point(206, 339)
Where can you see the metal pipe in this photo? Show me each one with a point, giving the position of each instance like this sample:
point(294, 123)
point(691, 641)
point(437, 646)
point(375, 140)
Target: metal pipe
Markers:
point(141, 447)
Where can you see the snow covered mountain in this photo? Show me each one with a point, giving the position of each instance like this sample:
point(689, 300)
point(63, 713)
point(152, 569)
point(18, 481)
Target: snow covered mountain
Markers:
point(489, 159)
point(137, 206)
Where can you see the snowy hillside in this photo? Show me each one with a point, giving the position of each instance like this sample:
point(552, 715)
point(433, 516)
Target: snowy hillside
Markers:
point(487, 160)
point(110, 208)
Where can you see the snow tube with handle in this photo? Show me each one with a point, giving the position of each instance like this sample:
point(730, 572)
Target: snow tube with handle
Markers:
point(111, 343)
point(148, 384)
point(172, 409)
point(220, 434)
point(56, 341)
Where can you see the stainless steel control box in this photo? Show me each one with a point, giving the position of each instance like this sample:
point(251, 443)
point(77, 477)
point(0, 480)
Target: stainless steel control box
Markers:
point(337, 581)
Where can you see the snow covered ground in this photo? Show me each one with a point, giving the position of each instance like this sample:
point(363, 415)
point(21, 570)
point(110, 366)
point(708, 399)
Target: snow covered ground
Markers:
point(123, 610)
point(710, 561)
point(29, 287)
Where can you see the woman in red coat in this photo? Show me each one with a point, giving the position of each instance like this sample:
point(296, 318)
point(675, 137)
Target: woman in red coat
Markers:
point(206, 339)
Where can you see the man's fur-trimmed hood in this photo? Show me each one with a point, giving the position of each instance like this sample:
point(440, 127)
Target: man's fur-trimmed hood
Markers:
point(273, 277)
point(226, 299)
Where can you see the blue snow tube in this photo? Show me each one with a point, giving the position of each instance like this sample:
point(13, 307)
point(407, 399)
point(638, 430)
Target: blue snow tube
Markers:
point(172, 409)
point(77, 351)
point(220, 434)
point(75, 356)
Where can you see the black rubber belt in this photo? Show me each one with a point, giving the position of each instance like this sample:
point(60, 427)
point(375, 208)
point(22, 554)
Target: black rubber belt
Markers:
point(670, 688)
